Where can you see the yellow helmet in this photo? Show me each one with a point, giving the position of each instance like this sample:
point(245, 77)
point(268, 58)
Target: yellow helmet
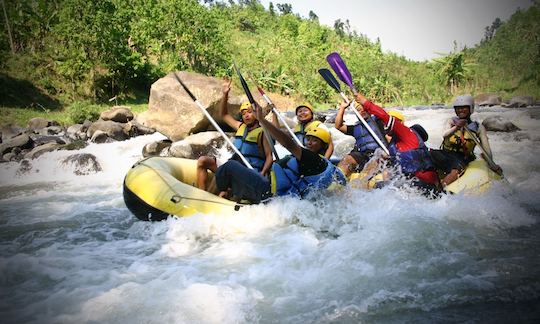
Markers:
point(398, 115)
point(305, 104)
point(244, 106)
point(320, 133)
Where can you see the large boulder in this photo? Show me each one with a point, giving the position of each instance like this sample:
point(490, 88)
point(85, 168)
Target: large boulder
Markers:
point(520, 101)
point(155, 148)
point(10, 131)
point(119, 114)
point(37, 123)
point(499, 124)
point(174, 114)
point(488, 99)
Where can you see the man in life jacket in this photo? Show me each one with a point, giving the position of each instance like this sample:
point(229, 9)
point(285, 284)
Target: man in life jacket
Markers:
point(458, 144)
point(249, 140)
point(300, 174)
point(305, 115)
point(407, 148)
point(365, 144)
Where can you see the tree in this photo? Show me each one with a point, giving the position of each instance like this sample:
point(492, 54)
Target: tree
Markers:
point(284, 8)
point(313, 16)
point(452, 70)
point(339, 27)
point(271, 9)
point(490, 30)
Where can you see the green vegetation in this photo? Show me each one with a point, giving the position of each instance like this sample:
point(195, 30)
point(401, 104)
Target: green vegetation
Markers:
point(64, 59)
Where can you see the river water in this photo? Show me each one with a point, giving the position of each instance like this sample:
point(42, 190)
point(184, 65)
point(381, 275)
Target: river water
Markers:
point(71, 252)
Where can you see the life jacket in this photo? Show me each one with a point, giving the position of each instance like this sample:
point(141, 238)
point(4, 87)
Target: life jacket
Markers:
point(460, 141)
point(300, 130)
point(248, 144)
point(364, 139)
point(414, 160)
point(285, 178)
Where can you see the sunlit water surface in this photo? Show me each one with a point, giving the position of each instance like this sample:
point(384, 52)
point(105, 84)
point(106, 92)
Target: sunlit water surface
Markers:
point(71, 252)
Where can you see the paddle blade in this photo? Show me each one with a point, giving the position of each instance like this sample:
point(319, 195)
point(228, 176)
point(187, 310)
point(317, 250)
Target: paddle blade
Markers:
point(244, 85)
point(340, 68)
point(330, 79)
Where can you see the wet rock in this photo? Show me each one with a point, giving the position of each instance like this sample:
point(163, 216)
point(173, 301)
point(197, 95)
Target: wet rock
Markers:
point(23, 141)
point(113, 129)
point(82, 164)
point(100, 137)
point(76, 145)
point(40, 140)
point(42, 149)
point(9, 157)
point(120, 114)
point(196, 145)
point(77, 132)
point(499, 124)
point(24, 167)
point(37, 123)
point(520, 101)
point(133, 128)
point(51, 130)
point(521, 136)
point(155, 148)
point(488, 99)
point(10, 131)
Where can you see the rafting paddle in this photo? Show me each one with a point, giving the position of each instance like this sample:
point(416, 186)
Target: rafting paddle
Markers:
point(338, 65)
point(213, 122)
point(275, 111)
point(492, 165)
point(253, 103)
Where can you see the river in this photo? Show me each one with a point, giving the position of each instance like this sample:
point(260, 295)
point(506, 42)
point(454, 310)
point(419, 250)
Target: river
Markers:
point(71, 252)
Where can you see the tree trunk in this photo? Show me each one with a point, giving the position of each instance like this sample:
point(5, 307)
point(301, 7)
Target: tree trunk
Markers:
point(8, 28)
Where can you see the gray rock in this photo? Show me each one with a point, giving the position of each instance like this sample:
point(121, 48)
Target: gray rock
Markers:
point(119, 114)
point(133, 128)
point(38, 123)
point(155, 148)
point(100, 137)
point(42, 149)
point(48, 139)
point(76, 145)
point(9, 157)
point(113, 130)
point(82, 164)
point(196, 145)
point(499, 124)
point(74, 131)
point(521, 136)
point(24, 167)
point(23, 141)
point(520, 101)
point(50, 130)
point(10, 131)
point(488, 99)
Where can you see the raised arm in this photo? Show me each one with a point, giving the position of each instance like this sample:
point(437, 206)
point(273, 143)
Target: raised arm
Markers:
point(226, 87)
point(339, 117)
point(280, 136)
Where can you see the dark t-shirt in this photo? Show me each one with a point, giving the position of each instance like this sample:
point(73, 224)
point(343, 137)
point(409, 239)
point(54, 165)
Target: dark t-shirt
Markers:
point(311, 163)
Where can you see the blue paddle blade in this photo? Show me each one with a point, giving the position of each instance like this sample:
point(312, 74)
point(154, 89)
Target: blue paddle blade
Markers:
point(340, 68)
point(330, 79)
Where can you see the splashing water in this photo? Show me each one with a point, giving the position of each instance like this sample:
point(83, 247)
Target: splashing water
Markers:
point(71, 252)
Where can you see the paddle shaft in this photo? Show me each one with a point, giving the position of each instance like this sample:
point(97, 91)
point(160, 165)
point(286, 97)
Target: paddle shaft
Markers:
point(213, 122)
point(486, 156)
point(253, 103)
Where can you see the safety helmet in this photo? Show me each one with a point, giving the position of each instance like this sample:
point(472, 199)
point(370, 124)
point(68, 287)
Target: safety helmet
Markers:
point(308, 106)
point(320, 133)
point(398, 115)
point(466, 100)
point(244, 106)
point(421, 131)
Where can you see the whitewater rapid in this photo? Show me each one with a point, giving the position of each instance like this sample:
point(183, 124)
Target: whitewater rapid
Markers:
point(71, 252)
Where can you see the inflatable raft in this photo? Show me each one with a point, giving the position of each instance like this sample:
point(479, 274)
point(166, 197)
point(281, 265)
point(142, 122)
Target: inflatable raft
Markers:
point(157, 187)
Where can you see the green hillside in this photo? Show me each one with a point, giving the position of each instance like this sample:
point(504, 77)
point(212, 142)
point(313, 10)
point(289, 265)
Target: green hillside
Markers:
point(57, 53)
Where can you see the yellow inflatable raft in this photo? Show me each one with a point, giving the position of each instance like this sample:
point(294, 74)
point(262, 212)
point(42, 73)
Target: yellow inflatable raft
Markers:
point(477, 178)
point(157, 187)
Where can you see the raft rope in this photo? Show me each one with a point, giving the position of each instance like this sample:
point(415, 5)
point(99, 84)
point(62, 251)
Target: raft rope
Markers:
point(236, 206)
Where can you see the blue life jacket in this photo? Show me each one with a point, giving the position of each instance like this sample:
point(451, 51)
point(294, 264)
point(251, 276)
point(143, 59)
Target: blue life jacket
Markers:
point(248, 144)
point(364, 140)
point(414, 160)
point(300, 130)
point(288, 181)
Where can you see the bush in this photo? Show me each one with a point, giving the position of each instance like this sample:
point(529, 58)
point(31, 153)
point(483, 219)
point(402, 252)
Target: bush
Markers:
point(80, 111)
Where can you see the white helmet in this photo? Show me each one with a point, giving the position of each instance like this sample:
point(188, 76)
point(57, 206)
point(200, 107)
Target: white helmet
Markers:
point(466, 100)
